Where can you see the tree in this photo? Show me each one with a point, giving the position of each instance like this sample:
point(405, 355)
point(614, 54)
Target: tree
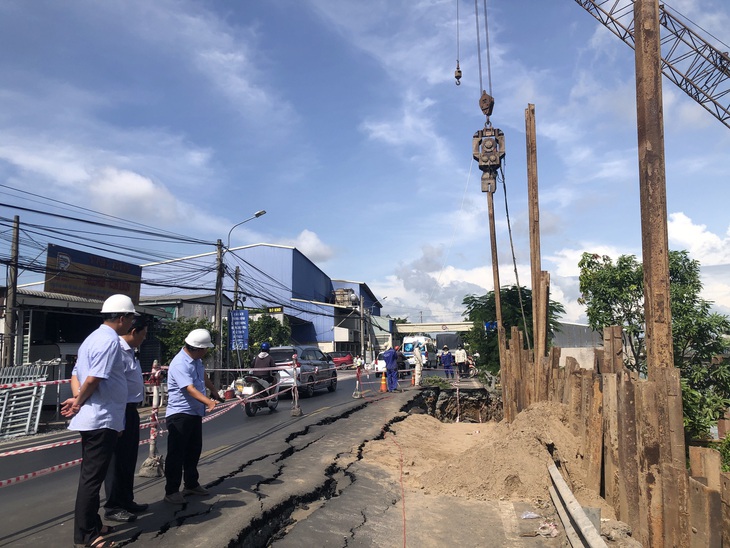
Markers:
point(173, 335)
point(614, 295)
point(265, 329)
point(481, 309)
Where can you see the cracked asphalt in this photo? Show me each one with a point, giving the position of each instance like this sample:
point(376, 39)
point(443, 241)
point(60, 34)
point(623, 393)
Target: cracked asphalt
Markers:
point(307, 486)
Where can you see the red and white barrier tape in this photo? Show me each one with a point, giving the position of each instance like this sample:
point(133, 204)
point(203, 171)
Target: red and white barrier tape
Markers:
point(39, 448)
point(39, 473)
point(33, 383)
point(32, 475)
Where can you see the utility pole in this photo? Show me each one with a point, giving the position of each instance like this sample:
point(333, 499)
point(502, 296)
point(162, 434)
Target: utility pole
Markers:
point(218, 320)
point(362, 329)
point(11, 324)
point(235, 287)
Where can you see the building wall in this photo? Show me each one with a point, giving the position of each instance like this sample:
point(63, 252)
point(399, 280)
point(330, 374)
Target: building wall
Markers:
point(283, 273)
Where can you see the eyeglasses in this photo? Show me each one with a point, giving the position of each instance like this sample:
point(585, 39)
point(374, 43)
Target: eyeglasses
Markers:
point(130, 315)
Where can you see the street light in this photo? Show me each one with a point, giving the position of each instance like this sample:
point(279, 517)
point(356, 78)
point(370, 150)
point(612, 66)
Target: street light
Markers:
point(255, 216)
point(218, 320)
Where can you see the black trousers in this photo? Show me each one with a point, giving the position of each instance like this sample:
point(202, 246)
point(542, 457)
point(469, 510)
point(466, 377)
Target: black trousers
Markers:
point(119, 481)
point(97, 448)
point(463, 369)
point(184, 445)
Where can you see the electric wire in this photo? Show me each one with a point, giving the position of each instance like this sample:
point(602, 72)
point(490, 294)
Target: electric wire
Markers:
point(182, 239)
point(98, 214)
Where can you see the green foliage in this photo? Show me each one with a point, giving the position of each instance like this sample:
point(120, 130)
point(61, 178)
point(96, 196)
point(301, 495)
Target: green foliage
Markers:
point(435, 381)
point(172, 335)
point(480, 309)
point(614, 295)
point(264, 329)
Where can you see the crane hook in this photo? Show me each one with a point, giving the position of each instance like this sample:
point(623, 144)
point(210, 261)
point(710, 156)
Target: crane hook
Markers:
point(457, 74)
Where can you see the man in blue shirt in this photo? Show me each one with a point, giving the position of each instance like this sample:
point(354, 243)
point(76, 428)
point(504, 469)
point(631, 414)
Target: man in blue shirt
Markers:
point(119, 483)
point(186, 406)
point(391, 368)
point(98, 412)
point(447, 360)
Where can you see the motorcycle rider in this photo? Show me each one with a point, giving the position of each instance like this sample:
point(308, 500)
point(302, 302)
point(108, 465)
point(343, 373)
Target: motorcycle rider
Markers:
point(264, 366)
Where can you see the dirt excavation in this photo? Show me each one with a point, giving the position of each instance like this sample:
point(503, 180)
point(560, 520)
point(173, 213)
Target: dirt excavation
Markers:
point(493, 461)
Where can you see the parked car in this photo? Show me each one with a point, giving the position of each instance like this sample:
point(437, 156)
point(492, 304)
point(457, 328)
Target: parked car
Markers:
point(378, 366)
point(342, 360)
point(312, 369)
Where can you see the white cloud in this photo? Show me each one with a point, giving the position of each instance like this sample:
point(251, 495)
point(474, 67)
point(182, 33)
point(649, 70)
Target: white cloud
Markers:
point(409, 131)
point(309, 243)
point(703, 246)
point(129, 195)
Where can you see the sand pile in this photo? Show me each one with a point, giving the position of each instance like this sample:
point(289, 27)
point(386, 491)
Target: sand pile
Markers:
point(487, 461)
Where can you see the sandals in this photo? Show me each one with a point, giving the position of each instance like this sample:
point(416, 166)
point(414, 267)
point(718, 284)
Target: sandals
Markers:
point(101, 542)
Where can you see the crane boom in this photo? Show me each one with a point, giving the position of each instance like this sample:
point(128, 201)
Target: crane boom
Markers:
point(690, 61)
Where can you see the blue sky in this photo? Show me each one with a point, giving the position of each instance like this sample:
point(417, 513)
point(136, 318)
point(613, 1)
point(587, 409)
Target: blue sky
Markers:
point(342, 120)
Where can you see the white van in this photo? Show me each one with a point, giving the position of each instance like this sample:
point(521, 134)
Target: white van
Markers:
point(428, 350)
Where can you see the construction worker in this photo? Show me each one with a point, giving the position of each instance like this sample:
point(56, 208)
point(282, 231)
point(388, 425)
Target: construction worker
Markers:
point(447, 361)
point(391, 369)
point(400, 359)
point(461, 365)
point(418, 359)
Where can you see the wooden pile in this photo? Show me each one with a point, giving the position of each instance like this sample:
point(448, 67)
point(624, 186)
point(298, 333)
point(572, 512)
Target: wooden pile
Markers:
point(633, 442)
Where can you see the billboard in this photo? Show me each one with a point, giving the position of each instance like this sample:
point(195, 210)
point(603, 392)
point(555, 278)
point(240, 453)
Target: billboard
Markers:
point(72, 272)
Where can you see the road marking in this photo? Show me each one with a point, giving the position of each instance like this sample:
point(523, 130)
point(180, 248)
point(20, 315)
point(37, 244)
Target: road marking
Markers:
point(215, 451)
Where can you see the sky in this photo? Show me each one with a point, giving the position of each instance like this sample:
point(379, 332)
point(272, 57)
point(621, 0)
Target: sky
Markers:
point(342, 120)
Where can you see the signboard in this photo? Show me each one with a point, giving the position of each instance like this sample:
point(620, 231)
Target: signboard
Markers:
point(275, 309)
point(72, 272)
point(238, 329)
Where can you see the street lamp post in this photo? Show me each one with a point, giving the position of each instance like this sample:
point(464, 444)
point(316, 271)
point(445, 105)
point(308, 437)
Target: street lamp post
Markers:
point(220, 269)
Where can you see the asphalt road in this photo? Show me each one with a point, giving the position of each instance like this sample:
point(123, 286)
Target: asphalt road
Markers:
point(275, 480)
point(42, 505)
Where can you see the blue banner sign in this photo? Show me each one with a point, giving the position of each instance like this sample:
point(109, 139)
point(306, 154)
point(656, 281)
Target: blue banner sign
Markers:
point(238, 329)
point(490, 326)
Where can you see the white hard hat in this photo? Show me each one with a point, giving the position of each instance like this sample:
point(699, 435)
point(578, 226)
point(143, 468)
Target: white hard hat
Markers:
point(199, 338)
point(118, 304)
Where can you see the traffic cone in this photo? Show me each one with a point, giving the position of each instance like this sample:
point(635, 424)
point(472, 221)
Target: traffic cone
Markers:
point(413, 379)
point(383, 385)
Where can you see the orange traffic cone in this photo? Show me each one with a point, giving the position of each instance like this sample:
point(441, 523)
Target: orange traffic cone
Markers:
point(383, 385)
point(413, 378)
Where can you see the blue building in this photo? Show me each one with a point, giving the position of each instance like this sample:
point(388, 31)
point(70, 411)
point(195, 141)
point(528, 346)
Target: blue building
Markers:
point(333, 314)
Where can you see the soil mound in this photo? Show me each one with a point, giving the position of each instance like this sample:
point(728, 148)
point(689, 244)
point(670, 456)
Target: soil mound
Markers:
point(487, 461)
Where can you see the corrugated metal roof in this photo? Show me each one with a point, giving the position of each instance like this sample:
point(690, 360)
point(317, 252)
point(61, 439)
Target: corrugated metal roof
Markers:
point(32, 297)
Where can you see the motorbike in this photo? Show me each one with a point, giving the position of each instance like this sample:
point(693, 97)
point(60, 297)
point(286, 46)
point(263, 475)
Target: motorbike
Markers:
point(266, 394)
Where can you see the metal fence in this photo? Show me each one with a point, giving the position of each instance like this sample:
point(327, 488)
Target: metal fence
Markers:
point(20, 407)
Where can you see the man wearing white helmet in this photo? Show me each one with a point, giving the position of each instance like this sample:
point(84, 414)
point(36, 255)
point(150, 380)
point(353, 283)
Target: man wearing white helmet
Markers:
point(98, 412)
point(186, 406)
